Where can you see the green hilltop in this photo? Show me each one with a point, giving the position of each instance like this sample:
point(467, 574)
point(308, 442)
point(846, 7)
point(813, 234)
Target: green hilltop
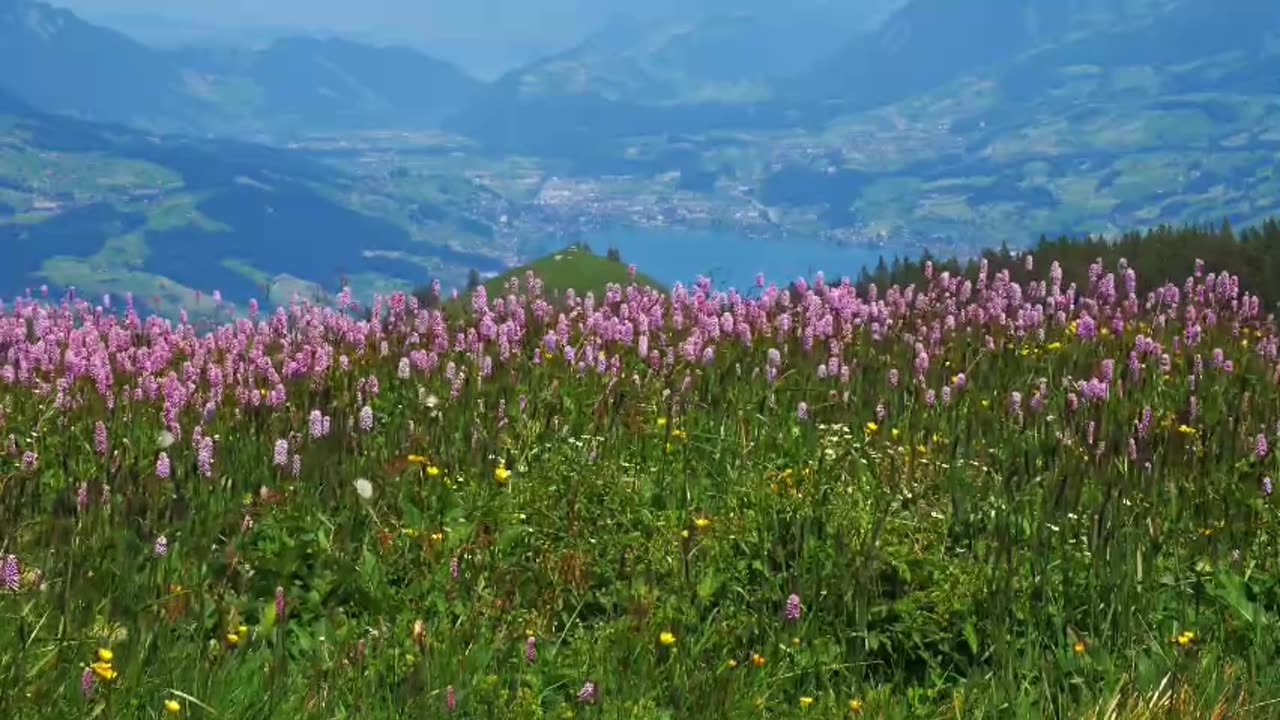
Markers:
point(575, 268)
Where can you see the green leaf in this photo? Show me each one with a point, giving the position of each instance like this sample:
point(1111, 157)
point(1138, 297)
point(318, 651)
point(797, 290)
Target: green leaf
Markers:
point(1231, 590)
point(971, 635)
point(708, 585)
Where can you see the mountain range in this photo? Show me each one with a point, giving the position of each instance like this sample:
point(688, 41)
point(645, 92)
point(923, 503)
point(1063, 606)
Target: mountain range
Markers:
point(606, 89)
point(759, 68)
point(60, 63)
point(487, 38)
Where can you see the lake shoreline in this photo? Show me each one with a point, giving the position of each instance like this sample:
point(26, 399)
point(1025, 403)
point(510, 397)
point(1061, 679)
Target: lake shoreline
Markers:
point(730, 260)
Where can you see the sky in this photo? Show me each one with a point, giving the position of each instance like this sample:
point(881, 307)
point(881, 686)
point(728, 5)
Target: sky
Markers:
point(485, 36)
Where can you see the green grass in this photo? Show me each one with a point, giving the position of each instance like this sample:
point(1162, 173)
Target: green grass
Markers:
point(84, 173)
point(572, 268)
point(951, 560)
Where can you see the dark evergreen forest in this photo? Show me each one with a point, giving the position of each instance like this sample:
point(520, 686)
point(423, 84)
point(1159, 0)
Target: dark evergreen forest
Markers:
point(1158, 255)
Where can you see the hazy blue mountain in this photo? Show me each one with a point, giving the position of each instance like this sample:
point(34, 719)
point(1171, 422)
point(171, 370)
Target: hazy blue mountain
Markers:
point(929, 43)
point(637, 77)
point(1167, 117)
point(748, 73)
point(60, 63)
point(722, 57)
point(10, 103)
point(331, 84)
point(487, 37)
point(162, 30)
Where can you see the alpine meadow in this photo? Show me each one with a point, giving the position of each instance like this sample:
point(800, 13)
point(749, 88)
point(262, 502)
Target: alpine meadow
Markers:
point(977, 496)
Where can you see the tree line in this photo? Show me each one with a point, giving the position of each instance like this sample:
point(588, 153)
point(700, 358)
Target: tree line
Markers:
point(1165, 253)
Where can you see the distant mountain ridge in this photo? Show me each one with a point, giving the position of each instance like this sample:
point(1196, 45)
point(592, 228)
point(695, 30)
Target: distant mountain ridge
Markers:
point(679, 61)
point(929, 43)
point(60, 63)
point(347, 85)
point(599, 91)
point(637, 77)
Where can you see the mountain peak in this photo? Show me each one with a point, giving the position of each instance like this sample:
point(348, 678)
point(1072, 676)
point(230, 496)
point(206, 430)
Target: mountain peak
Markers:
point(60, 63)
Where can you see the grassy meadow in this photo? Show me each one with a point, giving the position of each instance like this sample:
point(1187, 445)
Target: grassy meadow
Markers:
point(964, 499)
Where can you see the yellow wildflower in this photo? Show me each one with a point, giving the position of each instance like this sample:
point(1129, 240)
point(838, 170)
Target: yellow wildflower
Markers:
point(105, 655)
point(1186, 430)
point(172, 706)
point(855, 706)
point(805, 702)
point(662, 422)
point(501, 474)
point(233, 639)
point(417, 460)
point(872, 426)
point(242, 631)
point(702, 523)
point(667, 638)
point(757, 660)
point(732, 663)
point(433, 471)
point(1079, 647)
point(104, 671)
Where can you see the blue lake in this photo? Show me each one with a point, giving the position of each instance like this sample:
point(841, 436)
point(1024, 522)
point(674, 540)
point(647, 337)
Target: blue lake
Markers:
point(731, 260)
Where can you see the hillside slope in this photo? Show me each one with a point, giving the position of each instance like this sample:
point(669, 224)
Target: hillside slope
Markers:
point(929, 43)
point(574, 268)
point(108, 209)
point(1168, 121)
